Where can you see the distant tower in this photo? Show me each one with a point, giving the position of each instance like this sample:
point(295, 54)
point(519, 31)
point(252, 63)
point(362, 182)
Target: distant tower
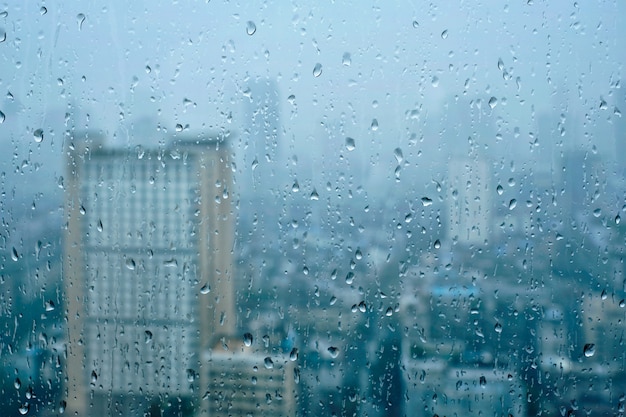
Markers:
point(261, 133)
point(147, 270)
point(469, 201)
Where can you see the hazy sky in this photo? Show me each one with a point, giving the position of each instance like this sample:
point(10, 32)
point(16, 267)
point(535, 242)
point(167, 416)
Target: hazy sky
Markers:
point(189, 62)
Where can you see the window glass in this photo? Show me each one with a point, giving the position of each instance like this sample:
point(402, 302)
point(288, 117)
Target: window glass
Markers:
point(312, 208)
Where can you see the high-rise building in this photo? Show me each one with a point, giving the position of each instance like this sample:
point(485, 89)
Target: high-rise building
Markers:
point(469, 201)
point(147, 270)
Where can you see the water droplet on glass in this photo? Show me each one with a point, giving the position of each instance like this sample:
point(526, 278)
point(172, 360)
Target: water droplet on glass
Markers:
point(499, 189)
point(80, 18)
point(250, 28)
point(493, 102)
point(269, 363)
point(317, 70)
point(512, 204)
point(444, 34)
point(334, 352)
point(130, 264)
point(426, 201)
point(589, 350)
point(293, 355)
point(38, 135)
point(346, 59)
point(350, 144)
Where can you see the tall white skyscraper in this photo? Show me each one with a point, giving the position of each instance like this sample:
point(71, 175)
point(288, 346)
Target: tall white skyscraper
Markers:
point(147, 270)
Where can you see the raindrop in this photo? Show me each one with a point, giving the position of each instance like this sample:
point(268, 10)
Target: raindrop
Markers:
point(499, 189)
point(346, 59)
point(493, 102)
point(130, 264)
point(512, 204)
point(334, 352)
point(500, 64)
point(317, 70)
point(589, 350)
point(170, 263)
point(293, 355)
point(426, 201)
point(398, 154)
point(80, 18)
point(350, 144)
point(269, 363)
point(250, 28)
point(603, 105)
point(444, 34)
point(38, 135)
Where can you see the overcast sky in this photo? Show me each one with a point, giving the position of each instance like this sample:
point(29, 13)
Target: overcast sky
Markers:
point(189, 63)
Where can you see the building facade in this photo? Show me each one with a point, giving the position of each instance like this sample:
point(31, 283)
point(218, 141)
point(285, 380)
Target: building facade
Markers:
point(147, 270)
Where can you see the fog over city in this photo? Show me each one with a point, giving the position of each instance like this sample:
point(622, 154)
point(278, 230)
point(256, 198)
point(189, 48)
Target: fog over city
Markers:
point(402, 208)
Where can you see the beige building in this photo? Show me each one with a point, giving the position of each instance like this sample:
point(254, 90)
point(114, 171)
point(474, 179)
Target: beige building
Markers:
point(244, 382)
point(147, 270)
